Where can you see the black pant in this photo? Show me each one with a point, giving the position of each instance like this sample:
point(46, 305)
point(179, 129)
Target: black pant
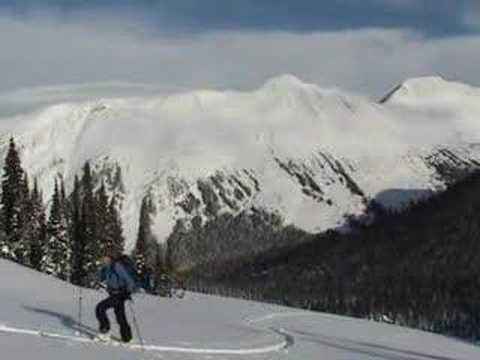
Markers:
point(117, 302)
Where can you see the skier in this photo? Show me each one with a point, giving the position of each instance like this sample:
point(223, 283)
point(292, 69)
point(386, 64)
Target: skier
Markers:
point(120, 286)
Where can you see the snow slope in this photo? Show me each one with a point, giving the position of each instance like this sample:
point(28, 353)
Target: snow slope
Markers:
point(309, 154)
point(199, 327)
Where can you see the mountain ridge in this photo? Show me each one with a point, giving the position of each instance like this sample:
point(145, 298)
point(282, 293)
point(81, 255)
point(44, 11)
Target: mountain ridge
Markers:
point(312, 156)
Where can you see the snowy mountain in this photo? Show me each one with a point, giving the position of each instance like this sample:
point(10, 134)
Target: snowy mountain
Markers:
point(312, 156)
point(39, 319)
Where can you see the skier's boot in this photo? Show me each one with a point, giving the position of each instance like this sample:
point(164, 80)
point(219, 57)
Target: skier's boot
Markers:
point(126, 334)
point(127, 341)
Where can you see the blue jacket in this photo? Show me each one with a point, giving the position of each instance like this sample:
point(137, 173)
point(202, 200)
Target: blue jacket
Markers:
point(116, 278)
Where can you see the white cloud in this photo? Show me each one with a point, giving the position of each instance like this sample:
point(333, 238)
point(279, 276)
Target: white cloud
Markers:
point(44, 50)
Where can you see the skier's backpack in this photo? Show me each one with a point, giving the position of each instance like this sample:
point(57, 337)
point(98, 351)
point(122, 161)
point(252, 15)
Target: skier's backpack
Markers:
point(129, 266)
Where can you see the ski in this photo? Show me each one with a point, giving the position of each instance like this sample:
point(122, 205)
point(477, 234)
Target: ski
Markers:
point(110, 340)
point(90, 339)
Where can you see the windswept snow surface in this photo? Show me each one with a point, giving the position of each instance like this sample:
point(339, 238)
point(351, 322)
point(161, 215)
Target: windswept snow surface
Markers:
point(197, 327)
point(311, 155)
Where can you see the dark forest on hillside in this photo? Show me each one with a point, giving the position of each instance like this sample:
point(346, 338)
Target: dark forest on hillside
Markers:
point(419, 267)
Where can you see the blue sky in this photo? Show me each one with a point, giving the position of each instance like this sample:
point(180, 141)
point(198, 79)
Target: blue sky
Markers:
point(432, 17)
point(362, 46)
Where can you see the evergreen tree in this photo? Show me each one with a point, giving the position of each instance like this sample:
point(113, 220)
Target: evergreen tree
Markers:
point(143, 238)
point(159, 269)
point(63, 200)
point(22, 247)
point(11, 200)
point(88, 224)
point(102, 219)
point(115, 239)
point(57, 257)
point(37, 228)
point(77, 235)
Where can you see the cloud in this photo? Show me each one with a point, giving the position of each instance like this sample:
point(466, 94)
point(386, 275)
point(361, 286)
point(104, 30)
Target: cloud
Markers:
point(471, 15)
point(437, 18)
point(43, 50)
point(402, 4)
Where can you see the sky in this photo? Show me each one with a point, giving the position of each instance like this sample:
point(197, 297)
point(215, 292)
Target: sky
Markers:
point(362, 46)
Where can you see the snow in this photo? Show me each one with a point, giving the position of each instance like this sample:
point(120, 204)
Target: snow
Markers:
point(432, 88)
point(157, 138)
point(197, 327)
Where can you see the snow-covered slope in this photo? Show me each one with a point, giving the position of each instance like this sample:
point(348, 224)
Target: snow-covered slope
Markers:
point(311, 155)
point(197, 327)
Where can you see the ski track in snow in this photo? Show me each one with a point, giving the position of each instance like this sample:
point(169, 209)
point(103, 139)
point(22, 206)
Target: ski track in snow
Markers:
point(40, 313)
point(286, 343)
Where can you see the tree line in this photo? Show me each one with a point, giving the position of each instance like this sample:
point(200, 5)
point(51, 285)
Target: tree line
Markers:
point(79, 229)
point(418, 267)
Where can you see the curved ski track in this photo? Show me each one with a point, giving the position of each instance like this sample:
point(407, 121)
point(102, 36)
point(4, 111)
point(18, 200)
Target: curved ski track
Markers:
point(287, 341)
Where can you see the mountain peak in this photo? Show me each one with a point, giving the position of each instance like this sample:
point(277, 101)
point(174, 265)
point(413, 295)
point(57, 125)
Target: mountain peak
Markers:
point(286, 81)
point(425, 80)
point(425, 88)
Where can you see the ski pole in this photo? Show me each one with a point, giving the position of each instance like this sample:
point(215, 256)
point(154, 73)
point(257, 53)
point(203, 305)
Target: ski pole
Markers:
point(135, 323)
